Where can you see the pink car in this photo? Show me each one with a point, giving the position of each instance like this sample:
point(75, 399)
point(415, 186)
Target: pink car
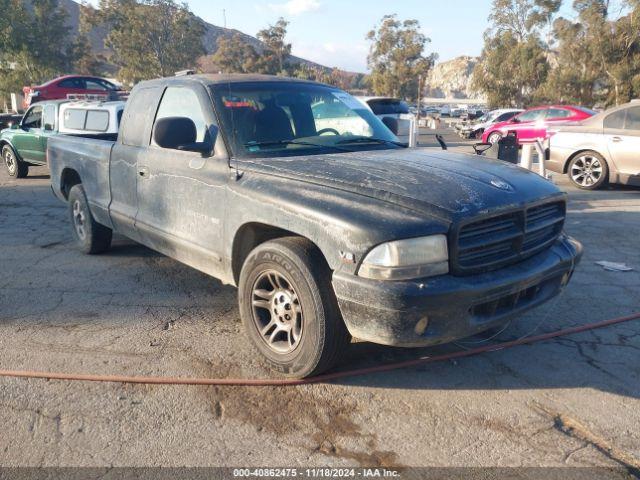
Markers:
point(532, 124)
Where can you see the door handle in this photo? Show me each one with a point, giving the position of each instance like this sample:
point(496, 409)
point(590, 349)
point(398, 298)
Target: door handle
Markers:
point(143, 172)
point(616, 139)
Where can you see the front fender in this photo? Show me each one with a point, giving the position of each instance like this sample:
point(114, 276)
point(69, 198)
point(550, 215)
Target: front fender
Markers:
point(344, 225)
point(7, 140)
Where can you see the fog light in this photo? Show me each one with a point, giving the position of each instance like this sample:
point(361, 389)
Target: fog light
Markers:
point(421, 326)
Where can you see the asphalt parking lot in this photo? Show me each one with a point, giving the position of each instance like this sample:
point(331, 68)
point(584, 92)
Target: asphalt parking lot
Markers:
point(135, 312)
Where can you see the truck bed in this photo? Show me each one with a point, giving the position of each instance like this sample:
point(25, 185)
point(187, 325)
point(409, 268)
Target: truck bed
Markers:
point(88, 157)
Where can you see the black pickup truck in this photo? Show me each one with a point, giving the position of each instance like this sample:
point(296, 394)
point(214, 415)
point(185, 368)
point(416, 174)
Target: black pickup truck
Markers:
point(297, 194)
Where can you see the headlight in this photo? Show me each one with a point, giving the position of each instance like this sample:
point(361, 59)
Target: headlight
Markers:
point(406, 259)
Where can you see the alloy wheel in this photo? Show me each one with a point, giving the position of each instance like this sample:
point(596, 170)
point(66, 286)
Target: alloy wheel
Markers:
point(79, 220)
point(10, 161)
point(586, 171)
point(277, 313)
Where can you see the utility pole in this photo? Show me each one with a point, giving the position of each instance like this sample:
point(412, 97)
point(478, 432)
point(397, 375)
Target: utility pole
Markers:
point(224, 17)
point(419, 102)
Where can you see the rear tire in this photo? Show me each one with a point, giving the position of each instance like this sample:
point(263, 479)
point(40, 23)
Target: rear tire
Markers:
point(90, 236)
point(289, 309)
point(494, 138)
point(15, 167)
point(588, 171)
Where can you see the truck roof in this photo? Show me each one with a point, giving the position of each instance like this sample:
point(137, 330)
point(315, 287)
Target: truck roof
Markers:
point(223, 78)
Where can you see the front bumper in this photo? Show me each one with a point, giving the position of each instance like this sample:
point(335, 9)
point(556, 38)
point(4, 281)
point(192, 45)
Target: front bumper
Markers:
point(396, 313)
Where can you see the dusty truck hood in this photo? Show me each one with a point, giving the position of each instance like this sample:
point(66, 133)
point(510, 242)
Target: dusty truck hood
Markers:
point(443, 184)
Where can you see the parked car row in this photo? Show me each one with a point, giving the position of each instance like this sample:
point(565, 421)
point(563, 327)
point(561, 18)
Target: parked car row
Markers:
point(533, 123)
point(592, 149)
point(476, 129)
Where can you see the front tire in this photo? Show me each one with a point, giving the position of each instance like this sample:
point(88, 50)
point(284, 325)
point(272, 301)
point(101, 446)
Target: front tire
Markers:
point(289, 309)
point(15, 167)
point(90, 236)
point(588, 171)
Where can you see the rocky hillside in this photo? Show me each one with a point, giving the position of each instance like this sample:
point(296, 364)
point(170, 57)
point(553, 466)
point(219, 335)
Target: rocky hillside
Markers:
point(452, 79)
point(209, 40)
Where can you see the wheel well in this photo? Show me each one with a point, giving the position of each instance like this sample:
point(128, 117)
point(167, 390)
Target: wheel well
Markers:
point(2, 144)
point(566, 164)
point(68, 179)
point(248, 237)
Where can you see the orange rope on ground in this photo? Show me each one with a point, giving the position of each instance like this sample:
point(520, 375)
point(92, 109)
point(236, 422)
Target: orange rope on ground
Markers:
point(321, 378)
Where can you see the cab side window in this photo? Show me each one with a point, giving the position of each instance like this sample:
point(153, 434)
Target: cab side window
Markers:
point(33, 118)
point(183, 102)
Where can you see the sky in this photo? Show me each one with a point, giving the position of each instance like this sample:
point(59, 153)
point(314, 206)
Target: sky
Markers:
point(332, 32)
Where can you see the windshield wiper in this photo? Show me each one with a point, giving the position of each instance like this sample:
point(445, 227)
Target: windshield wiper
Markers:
point(372, 140)
point(275, 143)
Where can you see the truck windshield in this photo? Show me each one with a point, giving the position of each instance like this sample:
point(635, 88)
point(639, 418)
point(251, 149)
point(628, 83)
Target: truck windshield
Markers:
point(268, 119)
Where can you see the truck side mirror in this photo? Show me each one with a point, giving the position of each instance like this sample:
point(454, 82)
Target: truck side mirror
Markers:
point(174, 132)
point(180, 133)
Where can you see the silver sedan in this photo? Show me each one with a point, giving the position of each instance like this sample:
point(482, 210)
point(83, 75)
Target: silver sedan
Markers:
point(602, 149)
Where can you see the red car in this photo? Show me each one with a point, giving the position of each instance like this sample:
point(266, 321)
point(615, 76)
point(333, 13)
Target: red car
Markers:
point(533, 123)
point(71, 86)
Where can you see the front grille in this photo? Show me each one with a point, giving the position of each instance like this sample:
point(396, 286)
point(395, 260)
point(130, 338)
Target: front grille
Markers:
point(501, 240)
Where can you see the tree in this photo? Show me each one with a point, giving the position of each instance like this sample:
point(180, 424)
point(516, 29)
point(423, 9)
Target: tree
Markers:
point(86, 62)
point(35, 43)
point(273, 59)
point(150, 38)
point(233, 55)
point(396, 57)
point(598, 59)
point(514, 63)
point(511, 72)
point(522, 18)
